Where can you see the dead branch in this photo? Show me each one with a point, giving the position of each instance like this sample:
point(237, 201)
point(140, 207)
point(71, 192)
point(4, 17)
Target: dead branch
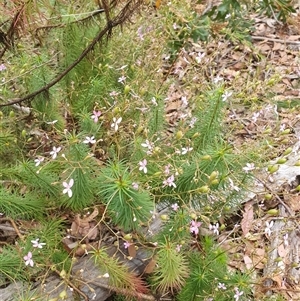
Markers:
point(123, 16)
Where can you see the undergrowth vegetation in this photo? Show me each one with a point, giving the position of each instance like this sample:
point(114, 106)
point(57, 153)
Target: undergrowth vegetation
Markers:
point(105, 137)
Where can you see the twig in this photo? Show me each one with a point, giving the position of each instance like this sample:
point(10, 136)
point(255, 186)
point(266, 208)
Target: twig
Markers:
point(14, 226)
point(123, 16)
point(260, 38)
point(277, 197)
point(73, 286)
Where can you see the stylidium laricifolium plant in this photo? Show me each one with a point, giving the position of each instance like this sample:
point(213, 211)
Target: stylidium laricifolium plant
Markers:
point(104, 138)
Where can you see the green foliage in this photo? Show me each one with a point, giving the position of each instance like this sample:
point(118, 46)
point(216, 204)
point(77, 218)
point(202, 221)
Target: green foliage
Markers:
point(281, 8)
point(172, 268)
point(118, 275)
point(11, 265)
point(207, 271)
point(127, 206)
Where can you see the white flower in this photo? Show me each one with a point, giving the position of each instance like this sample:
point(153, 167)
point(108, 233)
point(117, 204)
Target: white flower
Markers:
point(226, 95)
point(153, 100)
point(39, 160)
point(249, 167)
point(175, 207)
point(143, 165)
point(199, 57)
point(28, 259)
point(37, 244)
point(214, 228)
point(68, 187)
point(192, 122)
point(147, 144)
point(89, 140)
point(169, 182)
point(237, 294)
point(116, 123)
point(221, 286)
point(232, 186)
point(135, 185)
point(254, 117)
point(184, 100)
point(122, 79)
point(185, 150)
point(55, 151)
point(268, 228)
point(217, 79)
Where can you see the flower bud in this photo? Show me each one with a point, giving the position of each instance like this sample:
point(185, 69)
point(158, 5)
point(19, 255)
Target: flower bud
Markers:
point(203, 189)
point(273, 212)
point(267, 131)
point(222, 227)
point(287, 151)
point(273, 168)
point(24, 133)
point(179, 135)
point(206, 157)
point(193, 215)
point(164, 217)
point(63, 274)
point(127, 89)
point(214, 182)
point(285, 132)
point(116, 111)
point(128, 236)
point(213, 175)
point(268, 196)
point(11, 114)
point(281, 160)
point(63, 295)
point(297, 163)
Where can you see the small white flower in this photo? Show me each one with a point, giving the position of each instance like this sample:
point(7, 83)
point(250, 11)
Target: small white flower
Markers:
point(192, 122)
point(28, 259)
point(175, 207)
point(185, 150)
point(135, 185)
point(237, 294)
point(184, 100)
point(199, 57)
point(106, 275)
point(232, 186)
point(122, 79)
point(143, 165)
point(153, 100)
point(221, 286)
point(255, 116)
point(217, 79)
point(169, 182)
point(68, 187)
point(268, 230)
point(37, 244)
point(226, 95)
point(89, 140)
point(39, 160)
point(249, 167)
point(116, 123)
point(55, 151)
point(148, 144)
point(214, 228)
